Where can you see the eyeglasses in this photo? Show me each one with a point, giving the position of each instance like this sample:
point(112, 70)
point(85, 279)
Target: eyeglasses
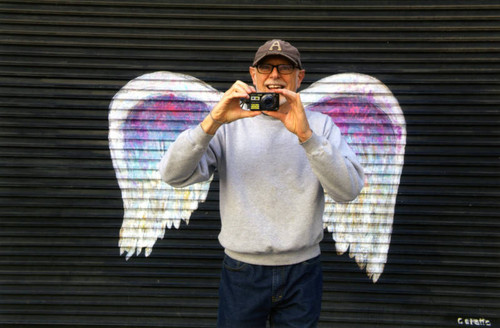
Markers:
point(282, 68)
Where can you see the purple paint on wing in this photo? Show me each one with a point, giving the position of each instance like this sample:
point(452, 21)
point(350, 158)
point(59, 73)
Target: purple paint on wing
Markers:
point(155, 122)
point(162, 116)
point(358, 118)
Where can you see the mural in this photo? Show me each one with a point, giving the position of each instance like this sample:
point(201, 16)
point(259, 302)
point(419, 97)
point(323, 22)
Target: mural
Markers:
point(148, 113)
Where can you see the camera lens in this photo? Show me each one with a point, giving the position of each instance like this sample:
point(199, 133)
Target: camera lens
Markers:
point(268, 102)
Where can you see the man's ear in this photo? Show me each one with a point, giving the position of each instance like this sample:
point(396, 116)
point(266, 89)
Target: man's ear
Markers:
point(253, 72)
point(300, 76)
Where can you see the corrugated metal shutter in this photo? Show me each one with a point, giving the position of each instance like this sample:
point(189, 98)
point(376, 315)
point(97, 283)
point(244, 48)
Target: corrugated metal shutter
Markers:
point(61, 209)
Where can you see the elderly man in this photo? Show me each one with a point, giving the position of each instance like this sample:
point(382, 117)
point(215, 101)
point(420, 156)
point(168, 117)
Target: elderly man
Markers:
point(274, 167)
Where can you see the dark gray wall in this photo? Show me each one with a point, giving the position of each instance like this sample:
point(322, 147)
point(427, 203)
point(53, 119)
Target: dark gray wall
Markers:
point(61, 209)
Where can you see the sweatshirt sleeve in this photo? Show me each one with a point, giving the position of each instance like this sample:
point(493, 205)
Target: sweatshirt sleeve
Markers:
point(189, 159)
point(335, 164)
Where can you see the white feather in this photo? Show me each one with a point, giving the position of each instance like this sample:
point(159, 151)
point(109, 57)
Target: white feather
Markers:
point(364, 226)
point(150, 205)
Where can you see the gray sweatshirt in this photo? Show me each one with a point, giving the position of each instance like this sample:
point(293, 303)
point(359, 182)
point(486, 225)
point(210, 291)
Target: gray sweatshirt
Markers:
point(271, 186)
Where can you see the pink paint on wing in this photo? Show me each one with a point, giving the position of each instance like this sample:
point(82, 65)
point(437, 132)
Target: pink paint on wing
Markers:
point(359, 119)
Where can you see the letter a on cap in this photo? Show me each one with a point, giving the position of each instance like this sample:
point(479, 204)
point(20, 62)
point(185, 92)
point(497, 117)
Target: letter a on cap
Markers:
point(275, 44)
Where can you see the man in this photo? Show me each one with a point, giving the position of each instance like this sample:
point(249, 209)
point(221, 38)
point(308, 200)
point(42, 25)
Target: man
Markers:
point(273, 169)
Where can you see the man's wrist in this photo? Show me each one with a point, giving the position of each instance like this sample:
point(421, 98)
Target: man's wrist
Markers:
point(213, 119)
point(306, 136)
point(210, 125)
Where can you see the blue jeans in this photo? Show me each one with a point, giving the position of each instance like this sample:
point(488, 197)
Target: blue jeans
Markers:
point(287, 296)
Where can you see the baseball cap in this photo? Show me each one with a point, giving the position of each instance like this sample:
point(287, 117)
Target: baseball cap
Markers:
point(280, 48)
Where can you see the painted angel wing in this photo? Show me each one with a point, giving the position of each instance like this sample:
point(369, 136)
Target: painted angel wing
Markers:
point(145, 117)
point(373, 124)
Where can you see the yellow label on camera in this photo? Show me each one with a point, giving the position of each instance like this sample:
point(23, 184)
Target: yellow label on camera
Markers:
point(255, 106)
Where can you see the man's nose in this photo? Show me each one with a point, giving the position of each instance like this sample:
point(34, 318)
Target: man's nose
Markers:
point(274, 73)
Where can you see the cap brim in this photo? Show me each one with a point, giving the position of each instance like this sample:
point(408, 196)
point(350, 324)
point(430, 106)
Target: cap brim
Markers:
point(257, 60)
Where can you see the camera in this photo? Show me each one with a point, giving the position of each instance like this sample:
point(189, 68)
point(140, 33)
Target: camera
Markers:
point(263, 101)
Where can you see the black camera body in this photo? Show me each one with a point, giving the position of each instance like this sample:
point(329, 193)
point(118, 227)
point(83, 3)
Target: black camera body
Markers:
point(263, 101)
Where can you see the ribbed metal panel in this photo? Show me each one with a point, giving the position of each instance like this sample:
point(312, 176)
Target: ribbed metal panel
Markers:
point(61, 208)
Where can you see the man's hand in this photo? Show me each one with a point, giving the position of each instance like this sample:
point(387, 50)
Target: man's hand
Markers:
point(228, 109)
point(293, 116)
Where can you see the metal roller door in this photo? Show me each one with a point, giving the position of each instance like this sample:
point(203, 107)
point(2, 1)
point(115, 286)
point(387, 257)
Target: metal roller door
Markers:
point(61, 209)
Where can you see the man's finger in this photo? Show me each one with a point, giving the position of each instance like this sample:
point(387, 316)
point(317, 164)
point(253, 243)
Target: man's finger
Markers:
point(289, 95)
point(280, 116)
point(249, 113)
point(243, 87)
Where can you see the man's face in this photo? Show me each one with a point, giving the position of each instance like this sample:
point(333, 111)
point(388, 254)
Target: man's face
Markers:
point(275, 80)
